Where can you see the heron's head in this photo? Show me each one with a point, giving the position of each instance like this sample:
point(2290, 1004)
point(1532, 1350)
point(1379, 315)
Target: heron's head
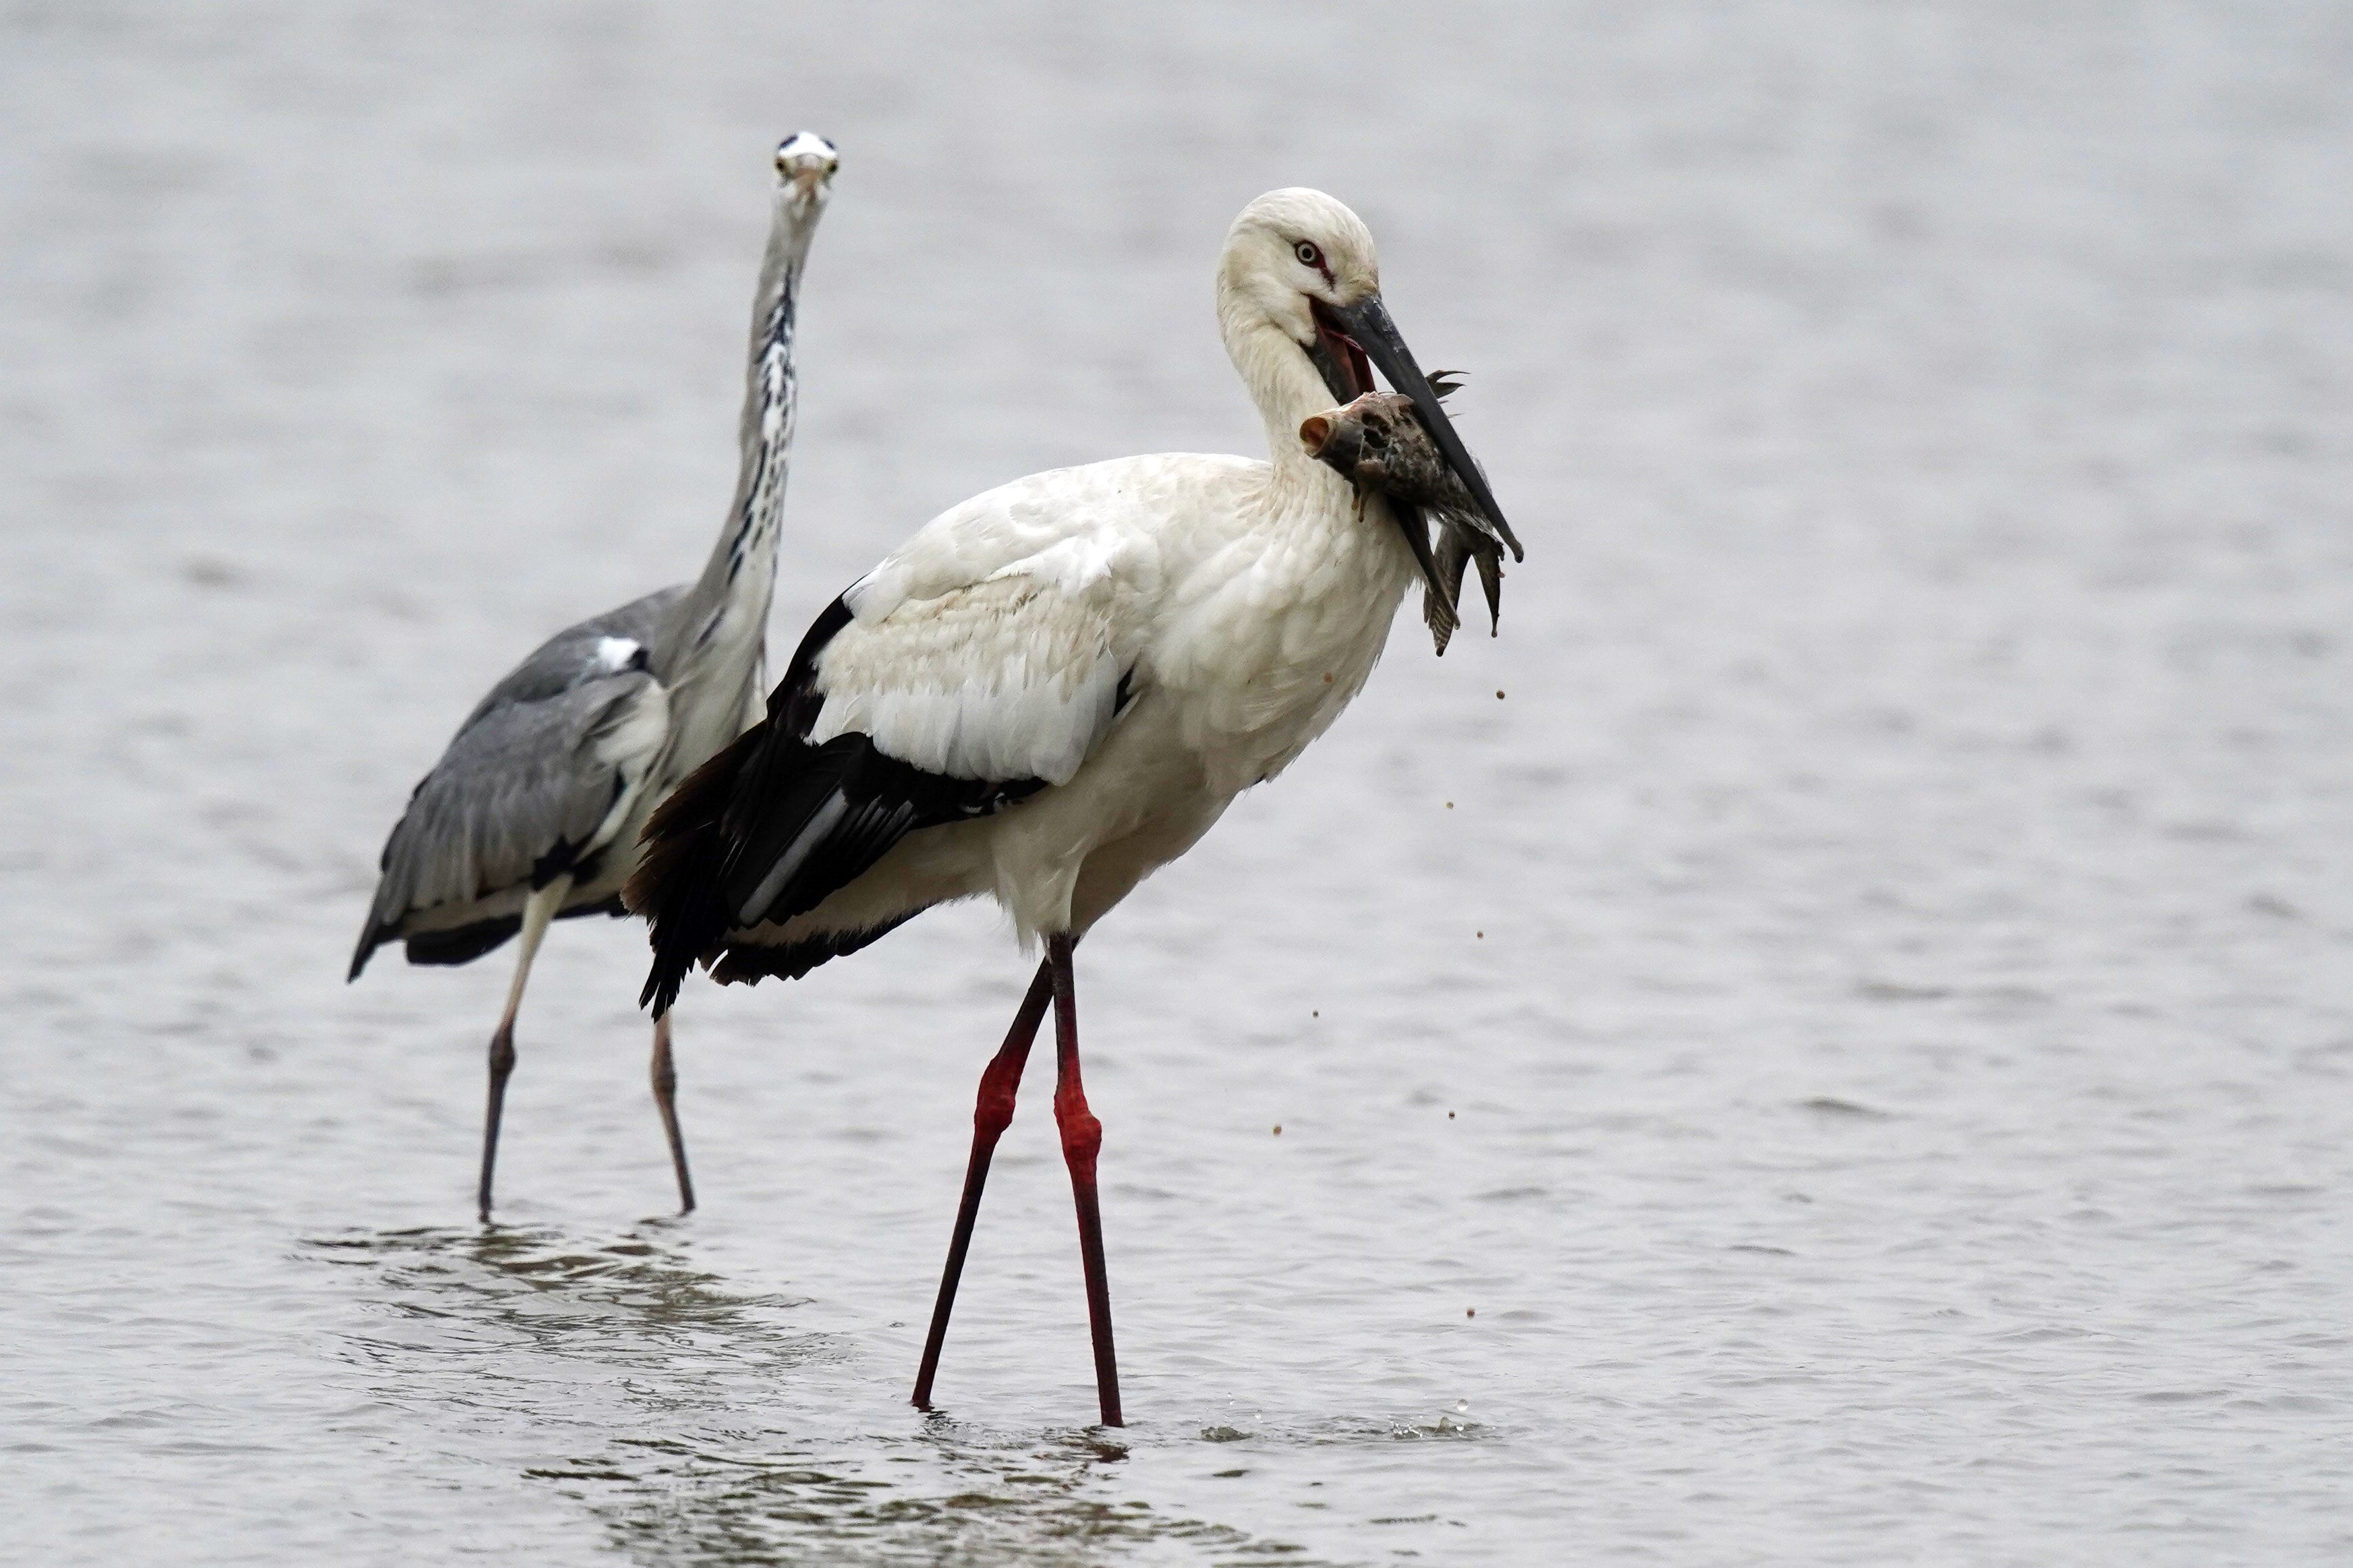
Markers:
point(806, 162)
point(1300, 262)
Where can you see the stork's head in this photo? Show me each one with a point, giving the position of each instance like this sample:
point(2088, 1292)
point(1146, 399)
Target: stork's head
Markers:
point(1300, 262)
point(1293, 249)
point(804, 165)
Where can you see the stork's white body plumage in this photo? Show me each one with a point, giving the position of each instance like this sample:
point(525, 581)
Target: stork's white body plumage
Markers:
point(1058, 686)
point(1242, 605)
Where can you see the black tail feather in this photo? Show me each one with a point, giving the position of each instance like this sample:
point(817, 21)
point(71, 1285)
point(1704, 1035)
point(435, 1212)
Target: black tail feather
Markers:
point(677, 885)
point(748, 965)
point(775, 808)
point(373, 937)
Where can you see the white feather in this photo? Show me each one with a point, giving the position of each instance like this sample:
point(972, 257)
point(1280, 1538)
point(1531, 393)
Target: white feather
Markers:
point(631, 743)
point(1000, 680)
point(987, 647)
point(633, 735)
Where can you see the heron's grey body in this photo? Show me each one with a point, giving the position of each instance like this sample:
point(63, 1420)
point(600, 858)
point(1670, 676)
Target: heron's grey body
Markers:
point(523, 795)
point(534, 810)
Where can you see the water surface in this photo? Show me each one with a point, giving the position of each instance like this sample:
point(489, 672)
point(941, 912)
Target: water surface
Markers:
point(1826, 1043)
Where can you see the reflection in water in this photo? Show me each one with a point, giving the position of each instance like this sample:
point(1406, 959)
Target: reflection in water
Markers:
point(959, 1496)
point(622, 1378)
point(632, 1301)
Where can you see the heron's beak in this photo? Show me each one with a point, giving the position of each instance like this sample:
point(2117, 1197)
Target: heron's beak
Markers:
point(806, 176)
point(1366, 328)
point(806, 162)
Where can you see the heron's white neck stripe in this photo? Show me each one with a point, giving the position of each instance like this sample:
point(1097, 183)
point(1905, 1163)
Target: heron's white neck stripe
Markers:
point(756, 521)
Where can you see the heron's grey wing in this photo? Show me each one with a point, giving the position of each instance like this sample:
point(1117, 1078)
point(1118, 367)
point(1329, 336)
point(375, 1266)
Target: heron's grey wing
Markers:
point(527, 791)
point(602, 645)
point(639, 619)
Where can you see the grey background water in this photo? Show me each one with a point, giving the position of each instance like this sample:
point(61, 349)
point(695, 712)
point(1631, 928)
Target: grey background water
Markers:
point(1865, 1022)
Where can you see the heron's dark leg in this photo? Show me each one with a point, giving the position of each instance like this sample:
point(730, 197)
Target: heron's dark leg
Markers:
point(1081, 1139)
point(666, 1102)
point(537, 911)
point(991, 1112)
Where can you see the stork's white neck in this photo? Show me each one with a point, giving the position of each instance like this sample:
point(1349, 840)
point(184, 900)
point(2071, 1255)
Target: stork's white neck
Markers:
point(1282, 381)
point(1287, 387)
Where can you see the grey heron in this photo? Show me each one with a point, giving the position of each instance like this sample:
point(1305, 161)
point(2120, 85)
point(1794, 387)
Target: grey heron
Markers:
point(1057, 687)
point(532, 815)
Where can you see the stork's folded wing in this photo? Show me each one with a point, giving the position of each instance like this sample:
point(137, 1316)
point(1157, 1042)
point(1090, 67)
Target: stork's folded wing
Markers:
point(1009, 679)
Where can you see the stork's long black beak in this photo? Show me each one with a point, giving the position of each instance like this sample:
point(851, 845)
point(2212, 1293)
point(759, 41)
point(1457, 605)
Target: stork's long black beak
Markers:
point(1367, 325)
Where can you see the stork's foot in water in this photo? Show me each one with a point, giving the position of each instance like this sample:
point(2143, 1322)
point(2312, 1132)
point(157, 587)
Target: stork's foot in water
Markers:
point(992, 1112)
point(665, 1076)
point(502, 1061)
point(1081, 1139)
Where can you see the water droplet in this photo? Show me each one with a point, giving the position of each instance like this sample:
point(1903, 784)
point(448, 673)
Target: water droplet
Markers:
point(1461, 1407)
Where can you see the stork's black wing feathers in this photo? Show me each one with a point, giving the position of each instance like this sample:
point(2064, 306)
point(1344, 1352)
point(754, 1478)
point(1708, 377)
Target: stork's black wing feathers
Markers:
point(773, 825)
point(748, 965)
point(822, 822)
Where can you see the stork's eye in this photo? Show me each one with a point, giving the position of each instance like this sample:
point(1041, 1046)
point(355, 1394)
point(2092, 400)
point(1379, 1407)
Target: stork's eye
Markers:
point(1308, 255)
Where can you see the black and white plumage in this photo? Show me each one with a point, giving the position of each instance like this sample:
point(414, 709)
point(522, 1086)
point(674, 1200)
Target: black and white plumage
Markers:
point(1060, 685)
point(533, 813)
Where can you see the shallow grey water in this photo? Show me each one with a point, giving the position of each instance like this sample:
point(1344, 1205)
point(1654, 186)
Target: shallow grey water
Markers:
point(1864, 1021)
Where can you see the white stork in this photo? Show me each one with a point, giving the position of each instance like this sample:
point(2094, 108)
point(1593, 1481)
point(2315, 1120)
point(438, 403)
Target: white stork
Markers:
point(533, 813)
point(1055, 688)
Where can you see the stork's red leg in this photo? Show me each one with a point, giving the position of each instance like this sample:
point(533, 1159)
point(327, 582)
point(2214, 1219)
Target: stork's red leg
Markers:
point(1081, 1139)
point(991, 1112)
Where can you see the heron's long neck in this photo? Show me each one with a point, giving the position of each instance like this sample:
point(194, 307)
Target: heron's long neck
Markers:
point(716, 629)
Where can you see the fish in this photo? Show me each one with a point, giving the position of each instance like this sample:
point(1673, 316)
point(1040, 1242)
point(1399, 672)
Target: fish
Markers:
point(1379, 444)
